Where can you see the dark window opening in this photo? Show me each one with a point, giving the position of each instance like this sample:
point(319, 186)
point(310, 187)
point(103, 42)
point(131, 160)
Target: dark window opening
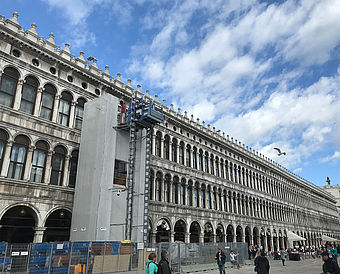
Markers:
point(53, 70)
point(35, 62)
point(16, 53)
point(84, 85)
point(70, 78)
point(97, 91)
point(120, 173)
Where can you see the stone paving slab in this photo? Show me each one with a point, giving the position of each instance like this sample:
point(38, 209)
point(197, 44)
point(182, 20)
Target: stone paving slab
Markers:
point(308, 266)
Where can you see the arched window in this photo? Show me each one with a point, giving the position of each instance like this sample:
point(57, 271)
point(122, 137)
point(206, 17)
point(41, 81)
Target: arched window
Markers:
point(222, 169)
point(188, 156)
point(200, 160)
point(208, 199)
point(64, 108)
point(18, 157)
point(47, 101)
point(194, 158)
point(158, 144)
point(182, 193)
point(174, 150)
point(196, 196)
point(38, 162)
point(181, 153)
point(202, 197)
point(166, 147)
point(167, 189)
point(175, 186)
point(79, 113)
point(217, 167)
point(58, 162)
point(3, 141)
point(212, 164)
point(73, 168)
point(190, 189)
point(29, 91)
point(159, 186)
point(214, 200)
point(206, 162)
point(8, 86)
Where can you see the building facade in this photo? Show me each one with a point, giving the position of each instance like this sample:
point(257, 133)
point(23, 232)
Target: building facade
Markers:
point(204, 186)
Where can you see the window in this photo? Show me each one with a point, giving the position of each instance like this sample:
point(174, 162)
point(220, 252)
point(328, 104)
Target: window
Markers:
point(97, 91)
point(202, 198)
point(47, 102)
point(194, 158)
point(214, 200)
point(212, 165)
point(16, 53)
point(200, 161)
point(206, 163)
point(18, 158)
point(64, 109)
point(3, 141)
point(29, 91)
point(38, 162)
point(208, 199)
point(73, 169)
point(196, 197)
point(222, 169)
point(182, 192)
point(174, 150)
point(84, 85)
point(190, 195)
point(158, 144)
point(70, 78)
point(120, 173)
point(217, 166)
point(58, 162)
point(8, 86)
point(166, 191)
point(53, 70)
point(79, 113)
point(187, 159)
point(35, 62)
point(181, 153)
point(158, 187)
point(166, 147)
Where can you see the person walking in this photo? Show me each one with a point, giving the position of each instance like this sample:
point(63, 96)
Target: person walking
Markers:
point(151, 266)
point(163, 265)
point(334, 252)
point(283, 257)
point(220, 260)
point(329, 265)
point(261, 264)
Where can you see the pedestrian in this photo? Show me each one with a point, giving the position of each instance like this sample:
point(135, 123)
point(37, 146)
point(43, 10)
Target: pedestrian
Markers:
point(261, 264)
point(283, 257)
point(220, 260)
point(151, 266)
point(334, 253)
point(234, 259)
point(163, 265)
point(250, 251)
point(329, 266)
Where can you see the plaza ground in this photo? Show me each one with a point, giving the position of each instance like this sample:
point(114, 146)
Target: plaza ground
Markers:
point(308, 266)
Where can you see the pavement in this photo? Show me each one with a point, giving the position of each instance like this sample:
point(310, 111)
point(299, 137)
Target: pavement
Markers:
point(307, 266)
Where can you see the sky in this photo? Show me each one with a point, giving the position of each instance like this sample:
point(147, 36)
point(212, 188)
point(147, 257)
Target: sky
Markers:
point(266, 73)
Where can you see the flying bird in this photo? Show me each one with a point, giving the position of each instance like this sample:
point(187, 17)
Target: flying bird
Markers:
point(279, 151)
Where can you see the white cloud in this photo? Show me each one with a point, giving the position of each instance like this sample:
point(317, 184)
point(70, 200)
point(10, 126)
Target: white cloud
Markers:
point(331, 158)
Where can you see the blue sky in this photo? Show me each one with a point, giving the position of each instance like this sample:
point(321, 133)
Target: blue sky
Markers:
point(265, 72)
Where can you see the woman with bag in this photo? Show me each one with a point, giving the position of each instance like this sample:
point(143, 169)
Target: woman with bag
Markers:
point(151, 266)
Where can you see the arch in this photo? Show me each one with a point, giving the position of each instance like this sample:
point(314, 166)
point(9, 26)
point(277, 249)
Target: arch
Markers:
point(158, 139)
point(220, 236)
point(39, 161)
point(208, 233)
point(73, 168)
point(230, 234)
point(17, 224)
point(158, 182)
point(47, 101)
point(79, 112)
point(256, 236)
point(58, 225)
point(8, 86)
point(64, 108)
point(163, 229)
point(180, 231)
point(239, 234)
point(28, 94)
point(18, 156)
point(4, 137)
point(58, 164)
point(247, 233)
point(166, 147)
point(195, 232)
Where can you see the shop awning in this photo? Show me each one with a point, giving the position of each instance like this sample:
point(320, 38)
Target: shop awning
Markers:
point(326, 238)
point(294, 237)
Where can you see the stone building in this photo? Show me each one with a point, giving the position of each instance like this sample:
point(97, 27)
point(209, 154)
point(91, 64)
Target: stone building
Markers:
point(204, 185)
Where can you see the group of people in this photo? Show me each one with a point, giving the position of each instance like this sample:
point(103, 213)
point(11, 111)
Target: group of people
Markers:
point(162, 267)
point(221, 259)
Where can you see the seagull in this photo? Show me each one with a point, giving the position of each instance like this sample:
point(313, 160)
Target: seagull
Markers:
point(328, 180)
point(279, 151)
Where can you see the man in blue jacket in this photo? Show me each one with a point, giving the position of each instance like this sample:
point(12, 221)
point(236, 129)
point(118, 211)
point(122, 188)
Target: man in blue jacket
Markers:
point(220, 259)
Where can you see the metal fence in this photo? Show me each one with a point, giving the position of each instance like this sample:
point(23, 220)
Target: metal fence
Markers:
point(106, 257)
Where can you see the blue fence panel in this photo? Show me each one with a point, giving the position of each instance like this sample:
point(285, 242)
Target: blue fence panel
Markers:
point(60, 258)
point(40, 258)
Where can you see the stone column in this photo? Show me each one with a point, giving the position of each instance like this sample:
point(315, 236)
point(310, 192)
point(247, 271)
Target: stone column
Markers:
point(179, 192)
point(185, 154)
point(55, 108)
point(187, 237)
point(153, 144)
point(66, 170)
point(201, 240)
point(193, 193)
point(38, 101)
point(177, 153)
point(217, 200)
point(153, 237)
point(170, 150)
point(28, 164)
point(162, 189)
point(199, 197)
point(6, 158)
point(172, 236)
point(72, 112)
point(18, 94)
point(48, 167)
point(206, 197)
point(39, 234)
